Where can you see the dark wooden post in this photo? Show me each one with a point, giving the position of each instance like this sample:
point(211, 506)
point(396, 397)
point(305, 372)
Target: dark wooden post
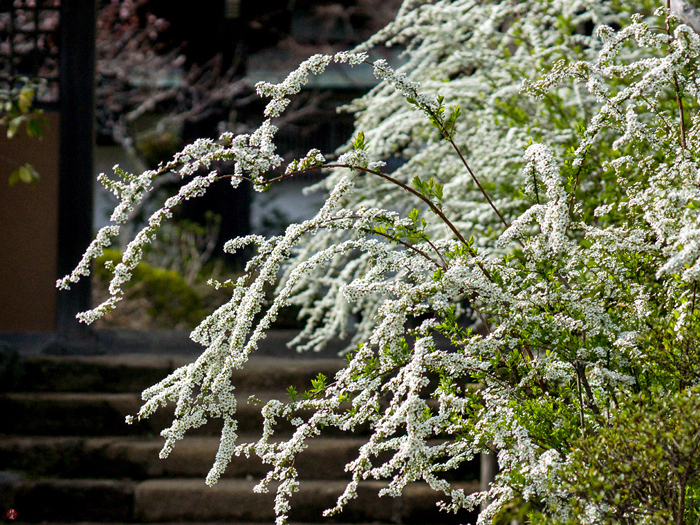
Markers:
point(77, 87)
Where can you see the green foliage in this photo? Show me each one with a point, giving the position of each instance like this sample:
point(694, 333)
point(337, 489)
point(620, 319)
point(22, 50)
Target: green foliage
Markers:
point(15, 110)
point(154, 147)
point(318, 388)
point(430, 189)
point(409, 234)
point(25, 173)
point(358, 142)
point(164, 294)
point(644, 465)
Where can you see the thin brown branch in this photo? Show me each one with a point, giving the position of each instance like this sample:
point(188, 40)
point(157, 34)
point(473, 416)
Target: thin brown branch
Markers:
point(437, 211)
point(667, 124)
point(580, 402)
point(444, 262)
point(679, 101)
point(692, 306)
point(408, 246)
point(581, 375)
point(448, 136)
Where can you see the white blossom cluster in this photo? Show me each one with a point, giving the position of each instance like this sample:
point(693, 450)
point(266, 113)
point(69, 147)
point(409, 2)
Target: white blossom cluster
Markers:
point(509, 281)
point(316, 65)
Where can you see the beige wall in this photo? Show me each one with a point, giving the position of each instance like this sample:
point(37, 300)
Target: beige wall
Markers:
point(28, 231)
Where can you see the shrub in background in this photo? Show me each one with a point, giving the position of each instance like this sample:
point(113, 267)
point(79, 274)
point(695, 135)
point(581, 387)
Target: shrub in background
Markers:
point(156, 297)
point(644, 465)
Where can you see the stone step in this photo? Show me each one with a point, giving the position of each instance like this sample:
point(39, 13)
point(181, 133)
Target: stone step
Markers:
point(135, 372)
point(179, 500)
point(138, 458)
point(134, 458)
point(152, 341)
point(100, 414)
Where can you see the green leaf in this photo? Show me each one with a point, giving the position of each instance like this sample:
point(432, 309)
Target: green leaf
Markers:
point(359, 143)
point(438, 191)
point(319, 384)
point(14, 125)
point(418, 183)
point(34, 128)
point(26, 174)
point(24, 101)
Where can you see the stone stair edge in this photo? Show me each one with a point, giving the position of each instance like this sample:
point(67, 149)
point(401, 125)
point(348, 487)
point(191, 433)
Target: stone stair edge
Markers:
point(138, 459)
point(112, 341)
point(135, 372)
point(167, 360)
point(242, 396)
point(192, 501)
point(103, 414)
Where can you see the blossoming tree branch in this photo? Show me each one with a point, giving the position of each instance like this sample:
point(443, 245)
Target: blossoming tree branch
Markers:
point(545, 222)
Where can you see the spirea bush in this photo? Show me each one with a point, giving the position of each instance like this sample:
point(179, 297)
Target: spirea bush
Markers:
point(537, 252)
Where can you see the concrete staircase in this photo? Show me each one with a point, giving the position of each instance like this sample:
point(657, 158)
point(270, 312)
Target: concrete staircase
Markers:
point(66, 455)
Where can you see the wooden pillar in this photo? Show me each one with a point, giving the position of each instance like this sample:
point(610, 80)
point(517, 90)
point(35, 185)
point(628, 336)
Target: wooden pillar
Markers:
point(77, 87)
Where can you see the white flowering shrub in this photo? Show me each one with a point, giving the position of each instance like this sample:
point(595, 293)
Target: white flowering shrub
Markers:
point(538, 252)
